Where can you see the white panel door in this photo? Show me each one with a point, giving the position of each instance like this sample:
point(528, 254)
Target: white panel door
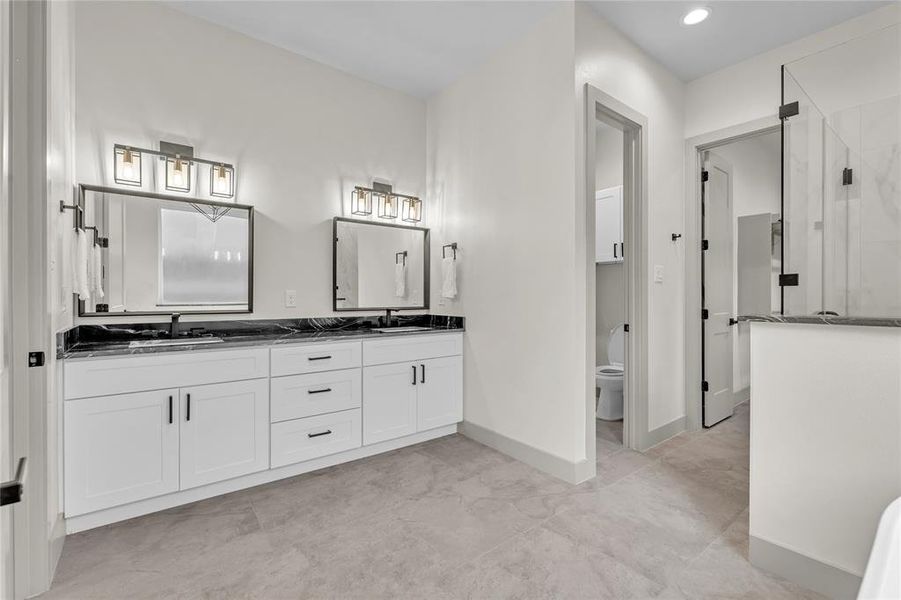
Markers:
point(718, 290)
point(608, 225)
point(224, 431)
point(120, 449)
point(440, 399)
point(389, 401)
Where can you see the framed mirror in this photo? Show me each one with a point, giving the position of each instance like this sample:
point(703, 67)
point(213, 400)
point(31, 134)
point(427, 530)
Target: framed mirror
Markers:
point(378, 266)
point(162, 254)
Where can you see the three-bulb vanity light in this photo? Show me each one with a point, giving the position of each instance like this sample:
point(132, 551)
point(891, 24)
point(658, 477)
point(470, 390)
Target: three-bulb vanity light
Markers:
point(387, 203)
point(179, 165)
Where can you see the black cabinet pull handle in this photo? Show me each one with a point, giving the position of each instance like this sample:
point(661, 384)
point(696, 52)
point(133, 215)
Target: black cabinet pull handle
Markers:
point(614, 250)
point(423, 373)
point(170, 410)
point(188, 409)
point(326, 432)
point(319, 357)
point(414, 374)
point(622, 250)
point(322, 391)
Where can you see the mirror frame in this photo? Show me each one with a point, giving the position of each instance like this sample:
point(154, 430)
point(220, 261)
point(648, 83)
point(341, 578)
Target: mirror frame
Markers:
point(84, 187)
point(426, 266)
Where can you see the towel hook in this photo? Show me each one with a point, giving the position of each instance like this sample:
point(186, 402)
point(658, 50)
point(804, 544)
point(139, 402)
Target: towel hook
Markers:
point(401, 255)
point(452, 246)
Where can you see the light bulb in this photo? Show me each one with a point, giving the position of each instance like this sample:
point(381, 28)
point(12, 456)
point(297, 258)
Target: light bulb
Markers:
point(695, 16)
point(178, 174)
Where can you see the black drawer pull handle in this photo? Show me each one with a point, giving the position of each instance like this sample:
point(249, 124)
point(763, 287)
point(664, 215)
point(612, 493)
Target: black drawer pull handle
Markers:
point(319, 357)
point(326, 432)
point(188, 409)
point(170, 410)
point(414, 374)
point(322, 391)
point(422, 380)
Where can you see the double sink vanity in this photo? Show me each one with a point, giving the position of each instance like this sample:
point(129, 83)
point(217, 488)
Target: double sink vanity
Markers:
point(158, 415)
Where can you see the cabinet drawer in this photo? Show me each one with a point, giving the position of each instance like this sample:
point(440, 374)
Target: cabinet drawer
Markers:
point(313, 358)
point(122, 374)
point(411, 348)
point(304, 439)
point(298, 396)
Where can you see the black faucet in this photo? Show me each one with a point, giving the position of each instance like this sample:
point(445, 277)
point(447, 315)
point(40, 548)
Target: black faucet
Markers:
point(173, 326)
point(386, 320)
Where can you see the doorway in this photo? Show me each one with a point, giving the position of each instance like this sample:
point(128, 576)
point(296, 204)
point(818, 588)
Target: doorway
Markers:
point(616, 139)
point(739, 204)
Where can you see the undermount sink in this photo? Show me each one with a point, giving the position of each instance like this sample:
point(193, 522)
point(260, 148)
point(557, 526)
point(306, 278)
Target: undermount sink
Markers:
point(400, 329)
point(184, 342)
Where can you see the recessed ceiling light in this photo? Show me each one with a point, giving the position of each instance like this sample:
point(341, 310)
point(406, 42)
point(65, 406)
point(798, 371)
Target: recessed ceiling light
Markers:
point(695, 16)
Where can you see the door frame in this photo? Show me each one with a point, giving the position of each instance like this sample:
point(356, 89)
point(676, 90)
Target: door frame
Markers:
point(694, 149)
point(601, 107)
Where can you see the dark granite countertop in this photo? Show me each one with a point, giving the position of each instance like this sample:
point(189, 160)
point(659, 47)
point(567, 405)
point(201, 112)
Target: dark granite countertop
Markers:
point(91, 341)
point(825, 320)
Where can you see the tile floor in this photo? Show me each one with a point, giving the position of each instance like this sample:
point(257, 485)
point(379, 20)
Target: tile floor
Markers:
point(452, 519)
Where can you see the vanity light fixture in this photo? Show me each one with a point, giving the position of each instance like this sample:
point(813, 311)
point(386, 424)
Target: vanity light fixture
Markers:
point(126, 165)
point(388, 206)
point(361, 201)
point(222, 181)
point(695, 15)
point(412, 209)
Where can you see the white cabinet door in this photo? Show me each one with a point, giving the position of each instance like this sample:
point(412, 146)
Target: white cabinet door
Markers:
point(389, 401)
point(224, 431)
point(440, 392)
point(120, 449)
point(608, 224)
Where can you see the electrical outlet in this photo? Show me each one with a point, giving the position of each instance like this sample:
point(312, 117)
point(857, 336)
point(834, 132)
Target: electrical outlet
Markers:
point(290, 298)
point(658, 273)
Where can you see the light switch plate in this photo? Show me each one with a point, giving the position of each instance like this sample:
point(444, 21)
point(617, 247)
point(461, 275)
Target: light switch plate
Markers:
point(658, 273)
point(290, 298)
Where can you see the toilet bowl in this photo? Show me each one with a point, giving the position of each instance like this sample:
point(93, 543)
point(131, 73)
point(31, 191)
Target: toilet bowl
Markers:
point(609, 378)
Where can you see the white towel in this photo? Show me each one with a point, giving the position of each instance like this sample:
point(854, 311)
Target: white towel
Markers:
point(96, 272)
point(80, 266)
point(400, 279)
point(449, 277)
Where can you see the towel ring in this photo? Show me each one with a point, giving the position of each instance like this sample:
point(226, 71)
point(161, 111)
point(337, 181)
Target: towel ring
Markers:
point(401, 255)
point(452, 246)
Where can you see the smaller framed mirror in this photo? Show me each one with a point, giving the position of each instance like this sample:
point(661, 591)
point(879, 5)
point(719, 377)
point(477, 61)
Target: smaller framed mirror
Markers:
point(162, 254)
point(379, 266)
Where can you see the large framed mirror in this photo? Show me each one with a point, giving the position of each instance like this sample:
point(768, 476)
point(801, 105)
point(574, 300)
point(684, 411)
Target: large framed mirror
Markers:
point(162, 254)
point(378, 266)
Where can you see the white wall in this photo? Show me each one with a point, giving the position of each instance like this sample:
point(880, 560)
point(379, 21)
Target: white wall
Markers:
point(825, 438)
point(612, 63)
point(299, 133)
point(501, 155)
point(750, 89)
point(756, 168)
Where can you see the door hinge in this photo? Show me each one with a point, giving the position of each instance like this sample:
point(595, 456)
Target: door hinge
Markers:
point(705, 175)
point(705, 387)
point(626, 327)
point(705, 245)
point(705, 314)
point(11, 491)
point(35, 359)
point(789, 110)
point(847, 176)
point(788, 279)
point(732, 321)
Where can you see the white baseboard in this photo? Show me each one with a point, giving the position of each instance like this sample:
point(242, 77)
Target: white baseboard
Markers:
point(828, 580)
point(150, 505)
point(663, 433)
point(741, 396)
point(543, 461)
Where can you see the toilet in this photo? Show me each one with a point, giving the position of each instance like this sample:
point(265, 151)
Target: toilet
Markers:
point(609, 378)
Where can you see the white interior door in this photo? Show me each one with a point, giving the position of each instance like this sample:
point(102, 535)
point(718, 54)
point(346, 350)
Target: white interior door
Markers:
point(717, 268)
point(608, 225)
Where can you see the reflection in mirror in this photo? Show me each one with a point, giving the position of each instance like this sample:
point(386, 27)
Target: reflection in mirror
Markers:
point(379, 266)
point(169, 254)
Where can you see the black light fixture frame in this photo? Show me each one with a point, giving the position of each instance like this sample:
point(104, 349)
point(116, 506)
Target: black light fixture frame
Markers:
point(170, 151)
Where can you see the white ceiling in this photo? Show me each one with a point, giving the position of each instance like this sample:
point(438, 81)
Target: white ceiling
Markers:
point(735, 30)
point(419, 47)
